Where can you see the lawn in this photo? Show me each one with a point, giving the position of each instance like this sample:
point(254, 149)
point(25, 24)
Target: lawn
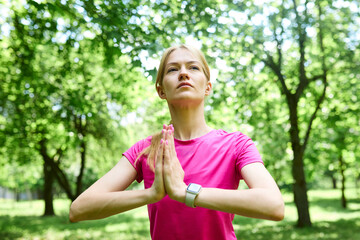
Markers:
point(22, 220)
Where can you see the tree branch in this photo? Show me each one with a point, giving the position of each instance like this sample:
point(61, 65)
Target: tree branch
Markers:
point(59, 174)
point(279, 42)
point(302, 38)
point(324, 79)
point(319, 101)
point(316, 77)
point(269, 61)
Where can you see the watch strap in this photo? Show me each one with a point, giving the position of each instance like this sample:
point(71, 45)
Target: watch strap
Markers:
point(191, 195)
point(190, 199)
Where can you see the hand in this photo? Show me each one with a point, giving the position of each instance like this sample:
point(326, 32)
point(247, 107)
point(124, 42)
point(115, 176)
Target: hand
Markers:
point(173, 172)
point(158, 187)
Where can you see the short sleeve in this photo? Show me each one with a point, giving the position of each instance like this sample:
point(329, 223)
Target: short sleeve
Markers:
point(132, 153)
point(245, 152)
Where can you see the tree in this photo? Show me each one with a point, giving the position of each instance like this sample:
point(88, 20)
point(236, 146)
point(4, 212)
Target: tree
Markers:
point(293, 45)
point(58, 94)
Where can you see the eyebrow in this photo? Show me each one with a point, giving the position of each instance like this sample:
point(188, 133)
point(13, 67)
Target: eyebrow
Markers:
point(176, 63)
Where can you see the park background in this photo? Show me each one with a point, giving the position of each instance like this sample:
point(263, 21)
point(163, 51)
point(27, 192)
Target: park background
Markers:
point(77, 89)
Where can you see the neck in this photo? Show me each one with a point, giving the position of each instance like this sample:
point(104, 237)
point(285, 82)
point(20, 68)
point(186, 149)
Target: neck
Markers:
point(188, 121)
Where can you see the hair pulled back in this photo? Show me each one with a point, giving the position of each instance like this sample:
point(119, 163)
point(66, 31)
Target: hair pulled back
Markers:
point(151, 150)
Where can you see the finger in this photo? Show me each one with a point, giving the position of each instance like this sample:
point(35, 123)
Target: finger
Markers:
point(170, 155)
point(170, 145)
point(172, 142)
point(159, 157)
point(166, 152)
point(172, 130)
point(163, 132)
point(170, 139)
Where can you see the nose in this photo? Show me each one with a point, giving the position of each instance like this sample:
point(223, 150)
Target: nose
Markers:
point(183, 74)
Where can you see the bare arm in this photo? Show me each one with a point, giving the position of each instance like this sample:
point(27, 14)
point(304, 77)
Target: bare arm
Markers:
point(262, 200)
point(107, 197)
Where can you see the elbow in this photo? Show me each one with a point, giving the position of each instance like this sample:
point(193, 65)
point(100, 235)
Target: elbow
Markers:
point(279, 216)
point(73, 217)
point(278, 212)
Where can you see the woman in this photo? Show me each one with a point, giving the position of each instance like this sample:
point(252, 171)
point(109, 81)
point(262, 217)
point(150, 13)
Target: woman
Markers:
point(191, 172)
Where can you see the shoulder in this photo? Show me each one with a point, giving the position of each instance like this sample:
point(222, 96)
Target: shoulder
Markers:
point(138, 146)
point(236, 136)
point(145, 141)
point(236, 140)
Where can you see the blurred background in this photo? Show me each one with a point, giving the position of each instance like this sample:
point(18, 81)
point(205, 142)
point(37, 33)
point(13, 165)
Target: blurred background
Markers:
point(77, 89)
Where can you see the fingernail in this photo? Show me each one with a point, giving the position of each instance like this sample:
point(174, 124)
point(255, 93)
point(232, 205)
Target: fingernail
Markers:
point(164, 126)
point(166, 142)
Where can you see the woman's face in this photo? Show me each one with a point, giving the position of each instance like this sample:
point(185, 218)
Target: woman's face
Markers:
point(184, 81)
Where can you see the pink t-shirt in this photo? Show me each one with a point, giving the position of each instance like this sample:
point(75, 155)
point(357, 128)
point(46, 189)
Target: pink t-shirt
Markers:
point(213, 161)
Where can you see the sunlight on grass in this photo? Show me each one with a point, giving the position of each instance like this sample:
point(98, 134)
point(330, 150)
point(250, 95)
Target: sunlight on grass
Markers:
point(22, 220)
point(330, 220)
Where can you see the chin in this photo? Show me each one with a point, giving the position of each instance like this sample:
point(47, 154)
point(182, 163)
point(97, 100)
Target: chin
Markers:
point(186, 101)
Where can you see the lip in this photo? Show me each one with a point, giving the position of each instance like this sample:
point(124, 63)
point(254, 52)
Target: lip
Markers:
point(184, 84)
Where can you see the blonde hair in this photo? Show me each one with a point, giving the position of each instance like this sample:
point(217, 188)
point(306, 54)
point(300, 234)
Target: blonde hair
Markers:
point(151, 150)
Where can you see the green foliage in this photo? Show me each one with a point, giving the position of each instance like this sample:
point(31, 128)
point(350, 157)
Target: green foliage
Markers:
point(21, 220)
point(74, 72)
point(60, 91)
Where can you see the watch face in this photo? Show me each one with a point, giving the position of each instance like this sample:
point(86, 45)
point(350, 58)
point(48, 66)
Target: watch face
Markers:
point(194, 188)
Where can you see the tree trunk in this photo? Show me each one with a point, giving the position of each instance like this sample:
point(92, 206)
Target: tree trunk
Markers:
point(300, 192)
point(333, 179)
point(17, 195)
point(55, 169)
point(81, 127)
point(299, 187)
point(48, 180)
point(48, 191)
point(342, 169)
point(82, 167)
point(59, 174)
point(357, 179)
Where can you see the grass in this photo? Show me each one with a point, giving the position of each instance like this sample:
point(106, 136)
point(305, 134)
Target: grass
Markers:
point(22, 220)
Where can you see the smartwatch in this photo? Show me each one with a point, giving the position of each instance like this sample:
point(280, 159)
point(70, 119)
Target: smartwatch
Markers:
point(191, 192)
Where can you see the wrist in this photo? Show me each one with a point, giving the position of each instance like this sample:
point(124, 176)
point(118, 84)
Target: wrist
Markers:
point(153, 196)
point(180, 194)
point(192, 191)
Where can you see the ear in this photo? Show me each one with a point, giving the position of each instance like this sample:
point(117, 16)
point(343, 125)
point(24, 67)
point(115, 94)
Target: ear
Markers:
point(161, 92)
point(208, 88)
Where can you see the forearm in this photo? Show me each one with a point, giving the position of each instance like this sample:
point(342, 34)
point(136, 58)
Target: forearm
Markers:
point(95, 205)
point(257, 202)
